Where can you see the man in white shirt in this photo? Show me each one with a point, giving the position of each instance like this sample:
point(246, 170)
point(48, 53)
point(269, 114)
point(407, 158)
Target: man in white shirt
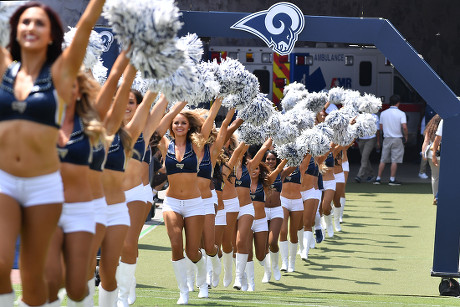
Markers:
point(392, 121)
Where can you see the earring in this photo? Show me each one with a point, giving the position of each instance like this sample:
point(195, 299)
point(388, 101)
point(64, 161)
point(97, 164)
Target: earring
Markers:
point(50, 43)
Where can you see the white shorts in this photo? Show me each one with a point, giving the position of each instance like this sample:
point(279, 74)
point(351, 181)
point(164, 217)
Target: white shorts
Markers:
point(185, 207)
point(148, 194)
point(135, 194)
point(346, 166)
point(292, 204)
point(247, 209)
point(214, 196)
point(232, 205)
point(208, 205)
point(260, 225)
point(340, 177)
point(100, 211)
point(274, 213)
point(317, 195)
point(221, 218)
point(33, 191)
point(76, 217)
point(118, 214)
point(308, 194)
point(329, 185)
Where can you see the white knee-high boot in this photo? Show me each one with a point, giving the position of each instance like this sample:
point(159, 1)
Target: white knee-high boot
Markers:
point(274, 258)
point(284, 251)
point(343, 200)
point(92, 288)
point(307, 239)
point(208, 270)
point(56, 303)
point(83, 303)
point(216, 269)
point(267, 269)
point(241, 260)
point(250, 275)
point(107, 298)
point(180, 270)
point(300, 236)
point(124, 275)
point(201, 277)
point(7, 299)
point(328, 223)
point(227, 260)
point(337, 219)
point(132, 289)
point(292, 255)
point(191, 274)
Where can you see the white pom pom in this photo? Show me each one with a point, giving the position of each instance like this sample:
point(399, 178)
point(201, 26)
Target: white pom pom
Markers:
point(140, 84)
point(293, 98)
point(258, 111)
point(301, 118)
point(94, 49)
point(251, 135)
point(352, 99)
point(345, 136)
point(337, 95)
point(366, 125)
point(206, 87)
point(316, 101)
point(273, 124)
point(337, 120)
point(369, 104)
point(324, 129)
point(147, 29)
point(293, 152)
point(6, 10)
point(192, 46)
point(294, 86)
point(287, 133)
point(99, 72)
point(316, 142)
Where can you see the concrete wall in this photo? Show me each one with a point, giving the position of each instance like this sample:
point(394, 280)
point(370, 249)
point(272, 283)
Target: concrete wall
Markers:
point(431, 27)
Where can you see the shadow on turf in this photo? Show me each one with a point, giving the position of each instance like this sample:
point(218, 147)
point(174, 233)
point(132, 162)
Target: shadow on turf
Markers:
point(154, 247)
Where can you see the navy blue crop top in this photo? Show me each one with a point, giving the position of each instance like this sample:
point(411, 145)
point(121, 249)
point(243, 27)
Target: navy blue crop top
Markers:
point(205, 169)
point(41, 106)
point(139, 149)
point(329, 160)
point(312, 169)
point(98, 161)
point(188, 164)
point(245, 180)
point(116, 156)
point(277, 184)
point(294, 177)
point(259, 194)
point(78, 148)
point(147, 156)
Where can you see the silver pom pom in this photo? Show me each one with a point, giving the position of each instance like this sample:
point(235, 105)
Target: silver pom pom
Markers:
point(337, 95)
point(140, 84)
point(287, 133)
point(366, 125)
point(273, 124)
point(345, 136)
point(317, 143)
point(294, 86)
point(316, 101)
point(206, 88)
point(352, 99)
point(293, 98)
point(337, 120)
point(258, 111)
point(6, 10)
point(293, 152)
point(301, 118)
point(251, 135)
point(147, 29)
point(99, 72)
point(369, 104)
point(192, 45)
point(94, 49)
point(324, 129)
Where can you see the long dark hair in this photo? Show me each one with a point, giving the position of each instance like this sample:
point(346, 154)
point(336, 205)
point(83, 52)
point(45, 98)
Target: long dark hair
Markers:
point(431, 127)
point(57, 33)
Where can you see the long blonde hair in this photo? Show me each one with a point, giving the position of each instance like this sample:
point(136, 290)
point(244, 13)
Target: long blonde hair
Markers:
point(194, 133)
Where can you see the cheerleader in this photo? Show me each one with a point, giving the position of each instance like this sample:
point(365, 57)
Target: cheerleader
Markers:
point(36, 86)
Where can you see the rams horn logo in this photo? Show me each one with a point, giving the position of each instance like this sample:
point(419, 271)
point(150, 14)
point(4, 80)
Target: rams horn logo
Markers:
point(107, 39)
point(279, 26)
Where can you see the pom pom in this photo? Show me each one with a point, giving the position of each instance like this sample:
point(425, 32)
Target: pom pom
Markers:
point(316, 102)
point(349, 112)
point(273, 124)
point(287, 133)
point(94, 49)
point(369, 104)
point(147, 30)
point(206, 87)
point(337, 95)
point(192, 46)
point(294, 86)
point(352, 99)
point(345, 136)
point(316, 142)
point(99, 72)
point(6, 10)
point(140, 84)
point(293, 98)
point(293, 152)
point(258, 111)
point(251, 135)
point(337, 120)
point(324, 129)
point(301, 118)
point(366, 125)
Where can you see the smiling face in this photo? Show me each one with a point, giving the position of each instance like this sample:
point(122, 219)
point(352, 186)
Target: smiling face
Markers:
point(270, 160)
point(34, 29)
point(255, 173)
point(131, 107)
point(180, 125)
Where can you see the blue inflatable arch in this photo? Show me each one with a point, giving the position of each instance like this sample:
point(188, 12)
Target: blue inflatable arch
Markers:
point(381, 33)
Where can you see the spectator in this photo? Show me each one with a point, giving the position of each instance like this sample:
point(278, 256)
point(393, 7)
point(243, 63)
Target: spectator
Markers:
point(428, 115)
point(435, 159)
point(391, 122)
point(366, 145)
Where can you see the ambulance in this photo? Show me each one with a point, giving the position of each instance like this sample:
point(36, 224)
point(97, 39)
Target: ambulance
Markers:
point(319, 68)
